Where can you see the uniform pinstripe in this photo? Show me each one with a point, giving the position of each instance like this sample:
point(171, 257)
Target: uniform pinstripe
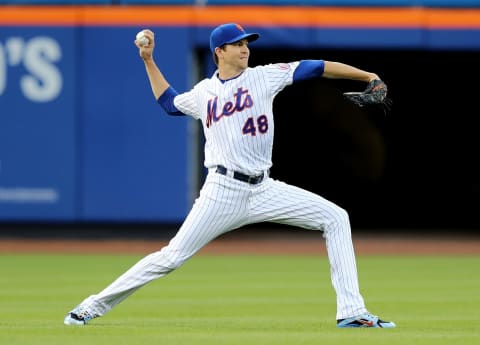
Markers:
point(238, 125)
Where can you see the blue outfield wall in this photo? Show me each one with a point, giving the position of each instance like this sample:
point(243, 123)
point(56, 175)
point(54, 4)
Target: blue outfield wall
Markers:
point(362, 38)
point(38, 132)
point(135, 156)
point(81, 136)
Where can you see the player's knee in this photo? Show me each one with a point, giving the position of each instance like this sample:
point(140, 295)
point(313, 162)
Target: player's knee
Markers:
point(340, 220)
point(176, 263)
point(163, 262)
point(173, 259)
point(342, 215)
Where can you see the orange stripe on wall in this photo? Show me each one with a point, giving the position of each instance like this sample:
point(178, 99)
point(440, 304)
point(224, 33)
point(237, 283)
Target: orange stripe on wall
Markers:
point(138, 16)
point(444, 18)
point(262, 16)
point(313, 16)
point(32, 15)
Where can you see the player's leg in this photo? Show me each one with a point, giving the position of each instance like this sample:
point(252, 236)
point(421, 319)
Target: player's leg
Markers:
point(279, 202)
point(220, 207)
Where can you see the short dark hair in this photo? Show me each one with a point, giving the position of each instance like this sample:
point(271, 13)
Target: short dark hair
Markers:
point(215, 57)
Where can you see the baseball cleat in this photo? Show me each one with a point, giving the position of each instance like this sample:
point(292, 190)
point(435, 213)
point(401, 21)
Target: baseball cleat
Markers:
point(364, 320)
point(78, 317)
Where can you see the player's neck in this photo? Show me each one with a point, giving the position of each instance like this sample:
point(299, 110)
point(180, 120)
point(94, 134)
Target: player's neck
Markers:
point(226, 73)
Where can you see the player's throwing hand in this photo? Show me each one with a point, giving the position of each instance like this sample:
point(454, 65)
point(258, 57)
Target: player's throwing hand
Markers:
point(146, 50)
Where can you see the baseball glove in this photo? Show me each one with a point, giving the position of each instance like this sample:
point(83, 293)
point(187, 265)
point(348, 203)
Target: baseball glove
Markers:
point(374, 94)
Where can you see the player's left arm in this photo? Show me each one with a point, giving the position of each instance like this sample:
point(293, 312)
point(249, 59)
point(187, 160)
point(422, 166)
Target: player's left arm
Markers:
point(308, 69)
point(338, 70)
point(375, 92)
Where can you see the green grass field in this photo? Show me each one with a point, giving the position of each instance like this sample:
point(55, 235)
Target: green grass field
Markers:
point(244, 300)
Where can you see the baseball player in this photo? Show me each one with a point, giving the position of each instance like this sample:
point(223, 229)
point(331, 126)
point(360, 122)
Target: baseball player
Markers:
point(235, 108)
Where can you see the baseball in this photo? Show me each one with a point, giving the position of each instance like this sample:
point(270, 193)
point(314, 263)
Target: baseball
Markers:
point(142, 39)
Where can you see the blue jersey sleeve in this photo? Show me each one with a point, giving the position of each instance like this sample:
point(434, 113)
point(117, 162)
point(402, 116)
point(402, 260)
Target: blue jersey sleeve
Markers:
point(166, 102)
point(308, 69)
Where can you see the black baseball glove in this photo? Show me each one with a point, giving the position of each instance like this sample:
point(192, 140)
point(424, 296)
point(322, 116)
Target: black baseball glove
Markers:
point(374, 94)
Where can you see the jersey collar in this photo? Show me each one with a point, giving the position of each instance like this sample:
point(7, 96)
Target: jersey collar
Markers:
point(224, 81)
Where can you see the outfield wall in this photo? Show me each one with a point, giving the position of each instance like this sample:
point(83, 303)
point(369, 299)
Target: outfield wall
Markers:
point(81, 138)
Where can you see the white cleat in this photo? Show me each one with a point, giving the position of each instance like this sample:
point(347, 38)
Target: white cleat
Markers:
point(365, 320)
point(78, 317)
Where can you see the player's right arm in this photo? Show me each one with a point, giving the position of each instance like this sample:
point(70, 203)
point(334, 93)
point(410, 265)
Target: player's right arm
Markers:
point(162, 91)
point(157, 81)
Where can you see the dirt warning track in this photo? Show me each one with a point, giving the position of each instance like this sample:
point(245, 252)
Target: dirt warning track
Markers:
point(310, 243)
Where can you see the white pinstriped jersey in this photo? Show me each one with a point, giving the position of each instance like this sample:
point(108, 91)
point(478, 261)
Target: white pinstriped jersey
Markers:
point(237, 116)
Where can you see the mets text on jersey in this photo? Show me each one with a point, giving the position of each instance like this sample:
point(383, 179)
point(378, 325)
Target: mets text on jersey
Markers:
point(242, 100)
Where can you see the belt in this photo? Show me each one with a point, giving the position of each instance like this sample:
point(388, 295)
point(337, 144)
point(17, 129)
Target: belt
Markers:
point(239, 176)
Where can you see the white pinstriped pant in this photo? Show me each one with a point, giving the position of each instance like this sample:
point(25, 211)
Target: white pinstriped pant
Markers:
point(225, 204)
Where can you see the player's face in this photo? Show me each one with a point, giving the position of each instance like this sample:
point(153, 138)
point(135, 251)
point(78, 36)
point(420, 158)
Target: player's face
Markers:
point(236, 54)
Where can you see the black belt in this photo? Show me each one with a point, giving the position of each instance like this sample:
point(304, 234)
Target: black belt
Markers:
point(239, 176)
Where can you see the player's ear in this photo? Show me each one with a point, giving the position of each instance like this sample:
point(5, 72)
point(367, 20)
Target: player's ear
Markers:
point(216, 54)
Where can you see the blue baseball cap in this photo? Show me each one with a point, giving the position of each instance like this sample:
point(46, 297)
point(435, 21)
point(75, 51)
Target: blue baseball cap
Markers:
point(229, 33)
